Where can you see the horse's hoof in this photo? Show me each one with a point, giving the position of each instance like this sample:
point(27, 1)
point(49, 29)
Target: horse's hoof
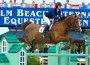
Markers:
point(65, 48)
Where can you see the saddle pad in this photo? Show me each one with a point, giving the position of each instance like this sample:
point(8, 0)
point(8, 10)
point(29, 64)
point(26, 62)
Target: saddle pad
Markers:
point(41, 29)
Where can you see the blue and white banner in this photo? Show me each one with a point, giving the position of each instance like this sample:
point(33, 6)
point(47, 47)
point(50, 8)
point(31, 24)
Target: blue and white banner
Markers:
point(18, 16)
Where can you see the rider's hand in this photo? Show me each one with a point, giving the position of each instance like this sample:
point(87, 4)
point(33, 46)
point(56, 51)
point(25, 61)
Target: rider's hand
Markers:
point(57, 16)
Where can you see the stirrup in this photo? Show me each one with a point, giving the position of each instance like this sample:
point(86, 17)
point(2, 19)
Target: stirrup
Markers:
point(43, 35)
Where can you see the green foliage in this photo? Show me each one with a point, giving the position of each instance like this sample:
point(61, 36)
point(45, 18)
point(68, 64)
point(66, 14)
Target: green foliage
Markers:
point(33, 60)
point(41, 47)
point(87, 31)
point(74, 47)
point(25, 44)
point(81, 48)
point(38, 46)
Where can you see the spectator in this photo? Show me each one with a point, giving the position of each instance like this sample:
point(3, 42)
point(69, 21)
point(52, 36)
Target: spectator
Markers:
point(43, 2)
point(23, 2)
point(54, 1)
point(88, 7)
point(14, 1)
point(67, 5)
point(33, 4)
point(3, 2)
point(15, 4)
point(10, 1)
point(52, 4)
point(83, 6)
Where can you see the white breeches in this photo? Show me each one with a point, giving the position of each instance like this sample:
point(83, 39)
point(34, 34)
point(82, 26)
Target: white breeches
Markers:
point(46, 20)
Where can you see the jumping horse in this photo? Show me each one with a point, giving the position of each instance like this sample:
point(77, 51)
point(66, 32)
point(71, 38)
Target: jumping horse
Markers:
point(58, 32)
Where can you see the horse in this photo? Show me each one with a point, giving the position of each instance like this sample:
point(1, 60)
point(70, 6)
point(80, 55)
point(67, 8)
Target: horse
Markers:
point(58, 32)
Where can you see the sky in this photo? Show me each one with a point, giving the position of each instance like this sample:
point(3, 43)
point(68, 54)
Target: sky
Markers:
point(5, 29)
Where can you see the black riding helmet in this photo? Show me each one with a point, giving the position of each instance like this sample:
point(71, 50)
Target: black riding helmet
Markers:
point(58, 4)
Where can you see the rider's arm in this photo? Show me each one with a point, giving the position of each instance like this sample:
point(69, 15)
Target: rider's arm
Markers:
point(54, 15)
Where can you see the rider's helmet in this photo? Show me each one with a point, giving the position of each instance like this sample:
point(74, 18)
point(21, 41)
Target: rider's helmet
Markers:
point(58, 4)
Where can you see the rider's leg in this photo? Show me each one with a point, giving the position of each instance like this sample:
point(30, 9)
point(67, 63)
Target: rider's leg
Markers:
point(46, 23)
point(46, 20)
point(52, 22)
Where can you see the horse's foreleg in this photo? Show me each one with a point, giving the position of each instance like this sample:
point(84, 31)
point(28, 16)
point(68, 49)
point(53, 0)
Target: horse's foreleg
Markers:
point(67, 46)
point(71, 42)
point(33, 46)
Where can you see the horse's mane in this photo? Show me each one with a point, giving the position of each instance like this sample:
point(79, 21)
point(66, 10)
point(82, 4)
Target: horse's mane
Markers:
point(25, 25)
point(63, 18)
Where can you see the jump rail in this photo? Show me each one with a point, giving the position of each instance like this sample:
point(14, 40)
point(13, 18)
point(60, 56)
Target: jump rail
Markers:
point(54, 54)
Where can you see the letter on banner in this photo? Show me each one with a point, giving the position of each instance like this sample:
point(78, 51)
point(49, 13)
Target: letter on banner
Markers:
point(20, 12)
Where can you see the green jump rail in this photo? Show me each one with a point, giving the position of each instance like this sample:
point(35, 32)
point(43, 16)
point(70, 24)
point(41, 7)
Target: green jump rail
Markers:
point(54, 54)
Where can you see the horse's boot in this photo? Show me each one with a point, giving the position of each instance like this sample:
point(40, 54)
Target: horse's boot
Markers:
point(44, 35)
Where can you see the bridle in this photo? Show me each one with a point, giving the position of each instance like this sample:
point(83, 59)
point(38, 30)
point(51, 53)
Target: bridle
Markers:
point(75, 18)
point(73, 27)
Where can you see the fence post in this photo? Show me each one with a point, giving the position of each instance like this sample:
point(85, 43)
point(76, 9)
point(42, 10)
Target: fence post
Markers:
point(63, 60)
point(87, 51)
point(53, 60)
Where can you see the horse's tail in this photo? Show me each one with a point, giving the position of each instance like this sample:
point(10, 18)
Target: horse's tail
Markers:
point(25, 25)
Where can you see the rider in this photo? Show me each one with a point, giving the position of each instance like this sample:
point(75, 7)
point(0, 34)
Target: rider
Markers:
point(53, 15)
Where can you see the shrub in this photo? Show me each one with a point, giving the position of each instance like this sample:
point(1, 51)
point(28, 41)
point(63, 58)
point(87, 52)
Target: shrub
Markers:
point(33, 60)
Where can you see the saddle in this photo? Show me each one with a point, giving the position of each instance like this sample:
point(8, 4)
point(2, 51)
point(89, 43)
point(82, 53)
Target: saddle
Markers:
point(44, 28)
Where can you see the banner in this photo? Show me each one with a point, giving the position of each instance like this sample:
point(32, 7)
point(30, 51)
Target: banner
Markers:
point(18, 16)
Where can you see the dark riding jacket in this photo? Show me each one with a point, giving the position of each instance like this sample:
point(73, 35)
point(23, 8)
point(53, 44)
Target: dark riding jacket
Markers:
point(53, 14)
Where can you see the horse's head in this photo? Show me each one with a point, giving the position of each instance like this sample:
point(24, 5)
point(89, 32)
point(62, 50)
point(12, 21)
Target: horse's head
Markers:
point(74, 22)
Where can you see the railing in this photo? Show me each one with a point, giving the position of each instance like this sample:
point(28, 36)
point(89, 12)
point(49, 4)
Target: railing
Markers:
point(55, 54)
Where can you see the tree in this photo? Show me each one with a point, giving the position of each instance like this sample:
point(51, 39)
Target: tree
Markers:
point(33, 60)
point(87, 31)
